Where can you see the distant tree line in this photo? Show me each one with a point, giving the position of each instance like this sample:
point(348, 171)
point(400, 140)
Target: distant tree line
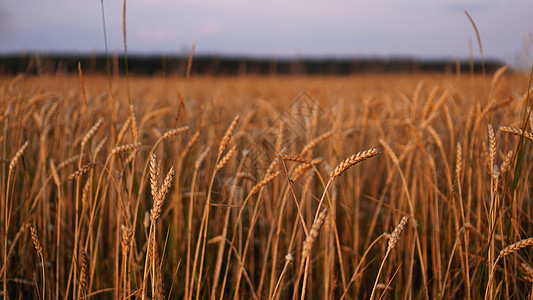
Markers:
point(230, 66)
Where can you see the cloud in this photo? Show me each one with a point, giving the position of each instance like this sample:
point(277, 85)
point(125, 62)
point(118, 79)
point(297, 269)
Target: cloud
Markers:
point(156, 35)
point(210, 28)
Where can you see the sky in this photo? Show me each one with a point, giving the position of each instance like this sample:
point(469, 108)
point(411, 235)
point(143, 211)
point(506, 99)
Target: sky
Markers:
point(277, 28)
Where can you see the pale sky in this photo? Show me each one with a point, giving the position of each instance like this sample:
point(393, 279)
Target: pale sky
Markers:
point(276, 28)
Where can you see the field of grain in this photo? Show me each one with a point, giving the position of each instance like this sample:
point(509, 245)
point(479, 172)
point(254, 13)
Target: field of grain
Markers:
point(375, 186)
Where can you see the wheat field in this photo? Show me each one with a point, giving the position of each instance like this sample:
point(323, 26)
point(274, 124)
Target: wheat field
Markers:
point(373, 186)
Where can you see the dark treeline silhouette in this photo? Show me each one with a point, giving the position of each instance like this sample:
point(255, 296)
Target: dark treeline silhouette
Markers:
point(224, 66)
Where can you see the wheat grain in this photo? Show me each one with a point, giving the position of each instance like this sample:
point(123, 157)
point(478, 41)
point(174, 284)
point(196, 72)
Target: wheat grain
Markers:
point(263, 182)
point(315, 142)
point(154, 176)
point(201, 158)
point(81, 171)
point(492, 145)
point(125, 148)
point(516, 246)
point(134, 127)
point(506, 162)
point(174, 132)
point(190, 144)
point(395, 235)
point(99, 147)
point(91, 132)
point(84, 272)
point(55, 175)
point(313, 233)
point(301, 169)
point(127, 234)
point(35, 239)
point(227, 136)
point(351, 161)
point(17, 156)
point(517, 131)
point(459, 161)
point(123, 130)
point(226, 158)
point(159, 199)
point(69, 161)
point(295, 158)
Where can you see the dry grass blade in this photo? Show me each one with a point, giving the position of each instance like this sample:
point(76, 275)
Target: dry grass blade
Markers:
point(351, 161)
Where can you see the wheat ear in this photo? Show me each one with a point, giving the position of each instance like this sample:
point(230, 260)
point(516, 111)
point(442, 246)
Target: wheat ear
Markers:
point(313, 233)
point(160, 197)
point(228, 135)
point(39, 248)
point(91, 132)
point(82, 171)
point(351, 161)
point(393, 240)
point(17, 156)
point(517, 131)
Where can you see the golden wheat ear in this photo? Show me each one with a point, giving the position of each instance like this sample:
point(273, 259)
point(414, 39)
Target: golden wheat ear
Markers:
point(353, 160)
